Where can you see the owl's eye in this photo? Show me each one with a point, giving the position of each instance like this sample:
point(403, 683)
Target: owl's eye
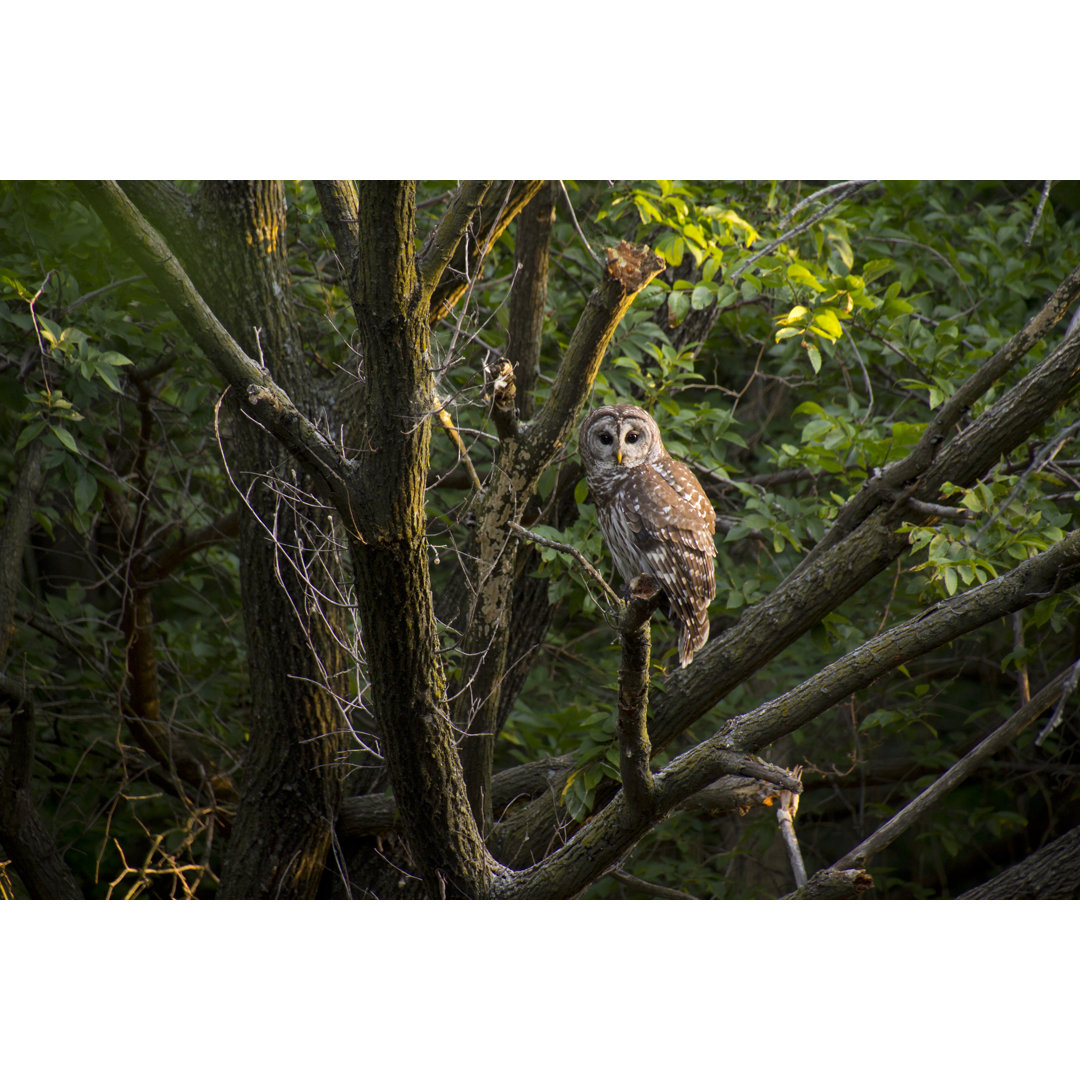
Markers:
point(632, 437)
point(605, 437)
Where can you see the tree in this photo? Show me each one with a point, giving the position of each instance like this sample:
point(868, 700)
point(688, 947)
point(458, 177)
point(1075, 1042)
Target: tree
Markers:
point(864, 376)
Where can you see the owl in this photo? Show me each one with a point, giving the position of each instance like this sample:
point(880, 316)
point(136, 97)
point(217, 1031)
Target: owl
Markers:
point(653, 514)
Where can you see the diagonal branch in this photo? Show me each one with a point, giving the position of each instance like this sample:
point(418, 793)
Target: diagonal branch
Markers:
point(450, 231)
point(627, 271)
point(502, 203)
point(340, 206)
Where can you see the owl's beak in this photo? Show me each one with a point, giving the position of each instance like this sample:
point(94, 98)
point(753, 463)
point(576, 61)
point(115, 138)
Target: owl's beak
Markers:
point(618, 456)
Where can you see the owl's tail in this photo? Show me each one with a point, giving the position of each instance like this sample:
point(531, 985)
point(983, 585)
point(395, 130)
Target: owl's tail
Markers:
point(693, 633)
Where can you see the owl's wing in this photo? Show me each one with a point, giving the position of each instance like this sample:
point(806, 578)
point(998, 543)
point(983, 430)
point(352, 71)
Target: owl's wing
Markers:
point(671, 522)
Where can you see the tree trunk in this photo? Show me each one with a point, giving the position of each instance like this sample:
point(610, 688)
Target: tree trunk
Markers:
point(232, 243)
point(390, 551)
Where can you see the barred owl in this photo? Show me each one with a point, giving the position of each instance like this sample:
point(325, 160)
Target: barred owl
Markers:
point(653, 514)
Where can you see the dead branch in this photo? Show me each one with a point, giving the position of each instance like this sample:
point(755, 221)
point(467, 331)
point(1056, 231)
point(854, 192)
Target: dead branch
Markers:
point(785, 816)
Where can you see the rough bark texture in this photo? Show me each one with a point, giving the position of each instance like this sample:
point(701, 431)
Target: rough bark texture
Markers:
point(390, 553)
point(528, 297)
point(635, 753)
point(18, 517)
point(1051, 873)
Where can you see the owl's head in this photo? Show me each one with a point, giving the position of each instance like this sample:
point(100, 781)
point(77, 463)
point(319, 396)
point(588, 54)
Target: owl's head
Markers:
point(618, 437)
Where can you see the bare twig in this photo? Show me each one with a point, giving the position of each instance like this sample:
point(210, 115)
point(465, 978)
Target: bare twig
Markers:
point(1047, 185)
point(661, 892)
point(1045, 455)
point(865, 374)
point(924, 247)
point(566, 549)
point(841, 189)
point(86, 297)
point(577, 227)
point(851, 188)
point(455, 436)
point(929, 509)
point(1066, 692)
point(785, 814)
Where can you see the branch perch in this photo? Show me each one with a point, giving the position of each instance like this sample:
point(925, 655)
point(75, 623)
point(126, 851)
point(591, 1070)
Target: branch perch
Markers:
point(635, 751)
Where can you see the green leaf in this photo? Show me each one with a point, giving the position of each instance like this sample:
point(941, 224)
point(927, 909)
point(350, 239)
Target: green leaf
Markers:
point(108, 377)
point(815, 356)
point(950, 580)
point(815, 429)
point(825, 319)
point(701, 297)
point(796, 314)
point(85, 490)
point(29, 434)
point(114, 359)
point(800, 275)
point(67, 440)
point(678, 306)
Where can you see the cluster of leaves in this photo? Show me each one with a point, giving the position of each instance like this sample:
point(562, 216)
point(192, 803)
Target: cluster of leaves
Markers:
point(92, 366)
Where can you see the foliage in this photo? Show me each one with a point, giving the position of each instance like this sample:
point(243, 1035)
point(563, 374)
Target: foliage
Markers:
point(788, 355)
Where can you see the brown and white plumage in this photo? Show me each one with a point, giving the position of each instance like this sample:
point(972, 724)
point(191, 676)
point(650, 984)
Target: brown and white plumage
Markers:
point(653, 513)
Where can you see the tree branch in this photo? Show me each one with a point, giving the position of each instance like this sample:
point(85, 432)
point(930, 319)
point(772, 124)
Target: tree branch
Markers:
point(340, 207)
point(1051, 873)
point(634, 750)
point(612, 831)
point(450, 231)
point(894, 478)
point(502, 202)
point(834, 885)
point(528, 296)
point(808, 594)
point(627, 271)
point(785, 816)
